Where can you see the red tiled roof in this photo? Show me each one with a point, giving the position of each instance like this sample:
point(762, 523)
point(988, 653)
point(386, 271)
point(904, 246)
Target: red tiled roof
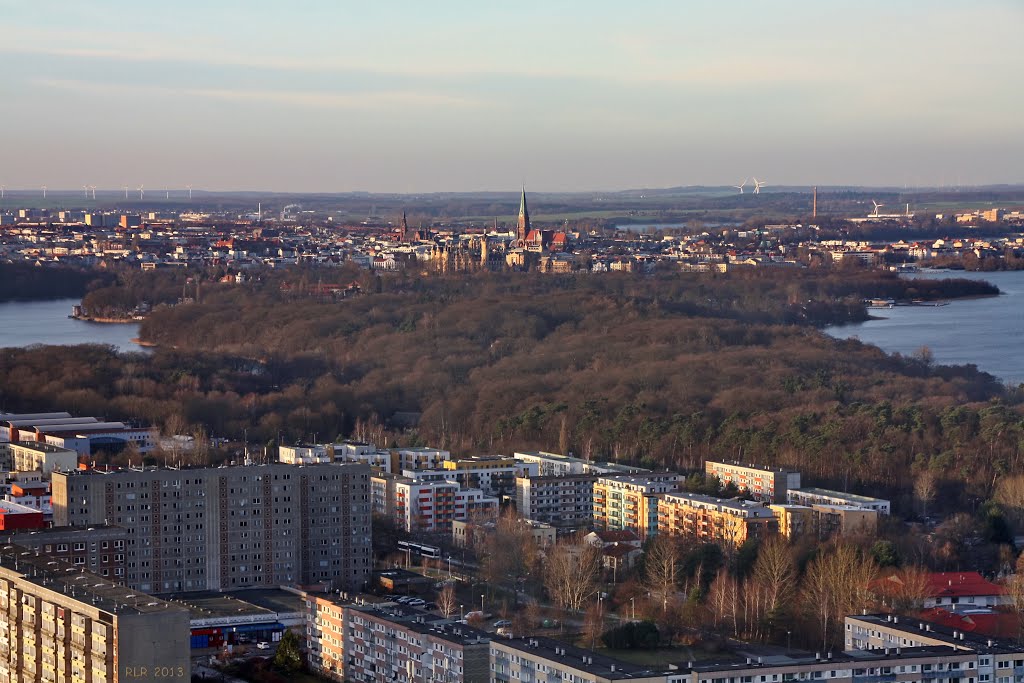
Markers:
point(961, 584)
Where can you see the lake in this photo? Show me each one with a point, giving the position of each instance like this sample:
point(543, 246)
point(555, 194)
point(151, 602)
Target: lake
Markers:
point(984, 331)
point(23, 323)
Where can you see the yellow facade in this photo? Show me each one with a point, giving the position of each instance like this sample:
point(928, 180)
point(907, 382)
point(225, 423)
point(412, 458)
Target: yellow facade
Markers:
point(711, 519)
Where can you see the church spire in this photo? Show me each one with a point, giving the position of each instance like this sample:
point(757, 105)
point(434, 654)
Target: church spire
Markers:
point(524, 220)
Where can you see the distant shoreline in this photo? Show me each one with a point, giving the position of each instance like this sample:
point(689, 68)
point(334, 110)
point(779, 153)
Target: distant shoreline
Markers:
point(105, 321)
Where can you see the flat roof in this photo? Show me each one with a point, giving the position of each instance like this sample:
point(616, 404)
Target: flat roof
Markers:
point(810, 490)
point(578, 658)
point(41, 447)
point(209, 604)
point(927, 629)
point(804, 659)
point(750, 466)
point(51, 574)
point(9, 508)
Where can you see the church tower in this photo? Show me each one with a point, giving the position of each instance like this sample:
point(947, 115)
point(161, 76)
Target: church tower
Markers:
point(523, 229)
point(404, 230)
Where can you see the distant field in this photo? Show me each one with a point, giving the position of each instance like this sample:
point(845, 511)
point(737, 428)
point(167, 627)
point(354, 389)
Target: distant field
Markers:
point(970, 206)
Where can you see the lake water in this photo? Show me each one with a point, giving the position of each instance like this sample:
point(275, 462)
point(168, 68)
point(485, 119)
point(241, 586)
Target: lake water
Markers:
point(23, 323)
point(986, 332)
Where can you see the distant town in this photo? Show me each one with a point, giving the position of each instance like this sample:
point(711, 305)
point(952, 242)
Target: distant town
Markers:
point(241, 243)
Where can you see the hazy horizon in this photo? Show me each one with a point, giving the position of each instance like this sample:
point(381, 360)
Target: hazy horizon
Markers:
point(457, 97)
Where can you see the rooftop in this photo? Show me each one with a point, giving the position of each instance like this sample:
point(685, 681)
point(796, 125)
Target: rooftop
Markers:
point(954, 637)
point(840, 494)
point(40, 447)
point(751, 466)
point(207, 604)
point(55, 575)
point(804, 659)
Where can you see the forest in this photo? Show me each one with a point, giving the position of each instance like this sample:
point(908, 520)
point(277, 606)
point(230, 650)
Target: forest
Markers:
point(663, 371)
point(29, 282)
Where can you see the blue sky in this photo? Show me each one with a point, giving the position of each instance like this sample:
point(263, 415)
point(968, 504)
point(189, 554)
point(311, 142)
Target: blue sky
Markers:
point(418, 96)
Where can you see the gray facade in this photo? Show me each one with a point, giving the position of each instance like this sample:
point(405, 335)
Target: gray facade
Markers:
point(61, 624)
point(226, 528)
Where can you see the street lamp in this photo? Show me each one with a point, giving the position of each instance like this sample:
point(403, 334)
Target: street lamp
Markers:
point(462, 613)
point(632, 608)
point(481, 604)
point(789, 639)
point(449, 566)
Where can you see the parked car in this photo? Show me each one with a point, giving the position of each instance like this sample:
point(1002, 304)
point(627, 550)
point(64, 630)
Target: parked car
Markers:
point(505, 631)
point(416, 602)
point(263, 645)
point(502, 622)
point(404, 599)
point(430, 605)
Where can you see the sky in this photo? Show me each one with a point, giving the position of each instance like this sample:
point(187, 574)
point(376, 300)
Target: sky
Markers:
point(414, 96)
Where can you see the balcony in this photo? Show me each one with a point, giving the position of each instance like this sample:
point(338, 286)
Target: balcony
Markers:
point(874, 678)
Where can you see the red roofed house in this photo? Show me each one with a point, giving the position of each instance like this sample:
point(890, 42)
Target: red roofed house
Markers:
point(963, 588)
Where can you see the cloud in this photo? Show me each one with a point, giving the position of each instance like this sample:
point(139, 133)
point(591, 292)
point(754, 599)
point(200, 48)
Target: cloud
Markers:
point(304, 98)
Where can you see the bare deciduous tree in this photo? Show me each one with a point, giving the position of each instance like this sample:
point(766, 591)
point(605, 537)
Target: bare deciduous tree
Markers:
point(661, 569)
point(925, 486)
point(570, 573)
point(775, 573)
point(447, 601)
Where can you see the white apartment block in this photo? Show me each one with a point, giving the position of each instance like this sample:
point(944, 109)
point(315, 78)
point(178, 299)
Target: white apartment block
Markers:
point(814, 496)
point(563, 501)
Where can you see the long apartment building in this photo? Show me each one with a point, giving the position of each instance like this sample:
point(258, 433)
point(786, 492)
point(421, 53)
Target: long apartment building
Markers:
point(877, 652)
point(544, 660)
point(226, 528)
point(815, 496)
point(555, 464)
point(428, 501)
point(352, 642)
point(714, 519)
point(563, 501)
point(630, 501)
point(28, 456)
point(493, 474)
point(59, 623)
point(100, 549)
point(765, 484)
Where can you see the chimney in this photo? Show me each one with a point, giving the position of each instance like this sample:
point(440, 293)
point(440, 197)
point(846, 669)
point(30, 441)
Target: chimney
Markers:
point(613, 668)
point(817, 656)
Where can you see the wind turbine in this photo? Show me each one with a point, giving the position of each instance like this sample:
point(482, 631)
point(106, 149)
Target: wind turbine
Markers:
point(44, 191)
point(758, 184)
point(741, 185)
point(189, 192)
point(3, 188)
point(877, 207)
point(93, 188)
point(142, 192)
point(125, 188)
point(85, 188)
